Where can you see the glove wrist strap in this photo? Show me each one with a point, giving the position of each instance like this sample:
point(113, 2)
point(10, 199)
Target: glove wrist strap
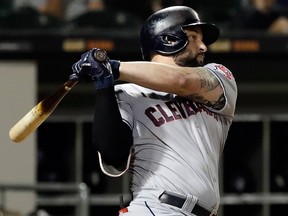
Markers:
point(115, 64)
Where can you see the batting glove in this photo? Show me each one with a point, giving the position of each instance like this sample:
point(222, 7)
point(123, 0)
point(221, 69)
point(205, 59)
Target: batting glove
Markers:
point(90, 68)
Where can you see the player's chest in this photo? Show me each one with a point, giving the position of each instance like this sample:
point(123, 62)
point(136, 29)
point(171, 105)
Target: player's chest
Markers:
point(162, 110)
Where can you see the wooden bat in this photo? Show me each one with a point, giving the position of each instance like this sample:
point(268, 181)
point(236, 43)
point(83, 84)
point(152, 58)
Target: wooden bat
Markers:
point(39, 113)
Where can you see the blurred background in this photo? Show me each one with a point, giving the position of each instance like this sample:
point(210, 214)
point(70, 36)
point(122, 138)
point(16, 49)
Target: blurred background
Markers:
point(56, 172)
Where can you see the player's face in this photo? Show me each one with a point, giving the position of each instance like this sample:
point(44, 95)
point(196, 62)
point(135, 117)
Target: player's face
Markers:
point(194, 53)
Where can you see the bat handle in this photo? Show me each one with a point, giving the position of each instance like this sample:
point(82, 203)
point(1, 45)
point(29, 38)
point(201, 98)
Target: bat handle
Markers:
point(70, 84)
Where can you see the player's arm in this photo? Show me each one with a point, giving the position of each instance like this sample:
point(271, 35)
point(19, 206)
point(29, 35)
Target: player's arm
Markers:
point(197, 84)
point(112, 138)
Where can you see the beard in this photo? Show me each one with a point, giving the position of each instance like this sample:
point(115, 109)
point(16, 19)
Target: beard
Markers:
point(186, 58)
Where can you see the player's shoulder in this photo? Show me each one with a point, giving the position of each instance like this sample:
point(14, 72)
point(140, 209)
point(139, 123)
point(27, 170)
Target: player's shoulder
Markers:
point(219, 69)
point(216, 66)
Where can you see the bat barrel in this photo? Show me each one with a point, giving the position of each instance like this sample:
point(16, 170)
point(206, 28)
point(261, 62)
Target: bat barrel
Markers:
point(39, 113)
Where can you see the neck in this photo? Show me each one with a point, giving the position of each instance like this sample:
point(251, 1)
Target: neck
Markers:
point(163, 59)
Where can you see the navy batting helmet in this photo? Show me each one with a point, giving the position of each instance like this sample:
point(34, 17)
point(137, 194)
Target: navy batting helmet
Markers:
point(167, 25)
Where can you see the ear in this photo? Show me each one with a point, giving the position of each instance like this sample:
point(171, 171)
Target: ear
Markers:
point(169, 39)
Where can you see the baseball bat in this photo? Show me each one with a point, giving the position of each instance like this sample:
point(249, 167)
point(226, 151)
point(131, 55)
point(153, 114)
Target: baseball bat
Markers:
point(39, 113)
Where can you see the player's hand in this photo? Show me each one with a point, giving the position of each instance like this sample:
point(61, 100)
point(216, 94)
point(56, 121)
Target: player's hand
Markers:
point(95, 69)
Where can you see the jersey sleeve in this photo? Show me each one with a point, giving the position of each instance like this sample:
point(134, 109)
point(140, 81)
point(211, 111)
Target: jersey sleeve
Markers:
point(229, 86)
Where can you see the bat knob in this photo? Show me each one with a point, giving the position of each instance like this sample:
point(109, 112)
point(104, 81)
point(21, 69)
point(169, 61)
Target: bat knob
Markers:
point(100, 55)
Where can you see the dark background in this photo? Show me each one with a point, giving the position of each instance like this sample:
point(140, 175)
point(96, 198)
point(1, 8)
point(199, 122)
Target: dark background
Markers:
point(254, 160)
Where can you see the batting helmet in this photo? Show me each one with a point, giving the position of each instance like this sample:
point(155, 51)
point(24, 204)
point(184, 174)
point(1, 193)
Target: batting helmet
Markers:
point(167, 24)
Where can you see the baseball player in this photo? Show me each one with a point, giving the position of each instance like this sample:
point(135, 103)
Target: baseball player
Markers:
point(167, 122)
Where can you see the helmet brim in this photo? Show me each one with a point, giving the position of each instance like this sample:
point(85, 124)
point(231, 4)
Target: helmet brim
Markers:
point(210, 31)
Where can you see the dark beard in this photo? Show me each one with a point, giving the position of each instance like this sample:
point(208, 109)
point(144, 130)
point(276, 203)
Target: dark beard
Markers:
point(186, 58)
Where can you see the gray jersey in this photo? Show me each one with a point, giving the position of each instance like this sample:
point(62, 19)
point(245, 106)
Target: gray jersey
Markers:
point(177, 142)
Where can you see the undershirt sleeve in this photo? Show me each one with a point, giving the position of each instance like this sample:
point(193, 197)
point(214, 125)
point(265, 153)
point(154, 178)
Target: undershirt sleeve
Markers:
point(112, 137)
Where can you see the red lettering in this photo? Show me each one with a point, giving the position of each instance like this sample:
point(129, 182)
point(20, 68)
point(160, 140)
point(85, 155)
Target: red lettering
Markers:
point(189, 107)
point(173, 110)
point(168, 118)
point(157, 122)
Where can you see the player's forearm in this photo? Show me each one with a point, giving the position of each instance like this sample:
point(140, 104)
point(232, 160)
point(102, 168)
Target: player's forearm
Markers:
point(160, 77)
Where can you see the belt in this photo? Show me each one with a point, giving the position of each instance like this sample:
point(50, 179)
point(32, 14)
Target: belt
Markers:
point(179, 202)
